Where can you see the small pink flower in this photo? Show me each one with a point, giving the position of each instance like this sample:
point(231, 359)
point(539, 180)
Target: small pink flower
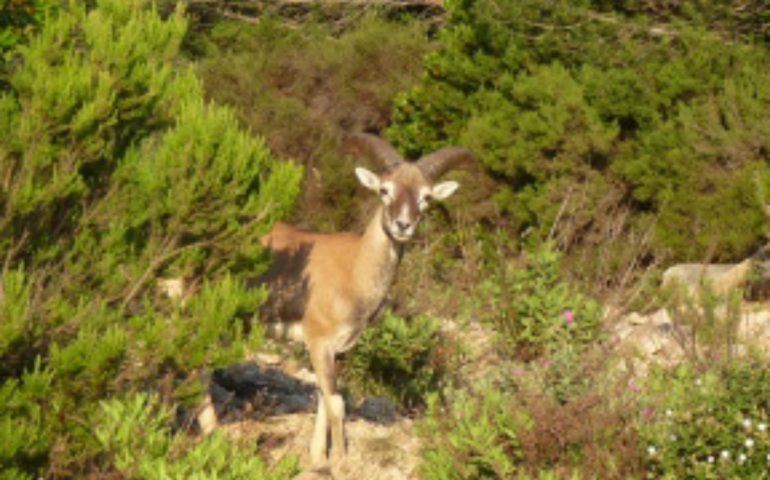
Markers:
point(547, 362)
point(569, 317)
point(633, 386)
point(648, 412)
point(517, 372)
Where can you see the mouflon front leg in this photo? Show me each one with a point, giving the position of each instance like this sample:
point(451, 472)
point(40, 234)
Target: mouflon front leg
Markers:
point(331, 407)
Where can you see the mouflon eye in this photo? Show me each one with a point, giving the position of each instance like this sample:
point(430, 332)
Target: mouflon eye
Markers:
point(424, 201)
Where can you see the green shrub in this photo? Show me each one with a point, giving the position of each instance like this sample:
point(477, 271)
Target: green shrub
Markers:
point(710, 320)
point(517, 424)
point(471, 438)
point(708, 425)
point(405, 360)
point(117, 172)
point(135, 438)
point(535, 312)
point(667, 127)
point(18, 20)
point(303, 87)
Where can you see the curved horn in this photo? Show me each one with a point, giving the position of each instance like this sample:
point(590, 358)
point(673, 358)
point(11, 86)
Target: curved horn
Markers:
point(372, 146)
point(435, 164)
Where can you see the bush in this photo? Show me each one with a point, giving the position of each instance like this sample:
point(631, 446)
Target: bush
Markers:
point(135, 438)
point(661, 137)
point(535, 312)
point(18, 20)
point(303, 87)
point(472, 438)
point(712, 424)
point(116, 172)
point(518, 425)
point(405, 360)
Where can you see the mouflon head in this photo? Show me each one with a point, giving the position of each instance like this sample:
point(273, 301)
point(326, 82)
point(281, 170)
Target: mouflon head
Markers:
point(406, 188)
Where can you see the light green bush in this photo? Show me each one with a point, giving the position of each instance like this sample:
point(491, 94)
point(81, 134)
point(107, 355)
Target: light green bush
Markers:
point(712, 424)
point(536, 312)
point(133, 433)
point(18, 20)
point(472, 438)
point(117, 172)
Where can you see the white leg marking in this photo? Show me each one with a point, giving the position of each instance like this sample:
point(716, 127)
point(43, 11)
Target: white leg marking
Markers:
point(336, 418)
point(318, 444)
point(295, 332)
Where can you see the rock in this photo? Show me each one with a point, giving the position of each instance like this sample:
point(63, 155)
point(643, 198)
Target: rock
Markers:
point(377, 410)
point(306, 376)
point(272, 391)
point(754, 329)
point(173, 288)
point(646, 339)
point(271, 359)
point(294, 403)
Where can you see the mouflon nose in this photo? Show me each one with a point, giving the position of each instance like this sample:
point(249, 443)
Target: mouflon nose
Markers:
point(403, 226)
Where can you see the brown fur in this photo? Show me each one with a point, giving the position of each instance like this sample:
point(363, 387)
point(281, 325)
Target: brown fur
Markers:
point(346, 277)
point(334, 284)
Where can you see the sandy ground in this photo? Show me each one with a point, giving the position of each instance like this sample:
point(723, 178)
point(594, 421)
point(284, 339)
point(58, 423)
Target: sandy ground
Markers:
point(375, 452)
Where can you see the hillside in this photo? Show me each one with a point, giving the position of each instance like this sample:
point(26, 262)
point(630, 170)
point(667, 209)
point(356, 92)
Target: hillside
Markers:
point(592, 303)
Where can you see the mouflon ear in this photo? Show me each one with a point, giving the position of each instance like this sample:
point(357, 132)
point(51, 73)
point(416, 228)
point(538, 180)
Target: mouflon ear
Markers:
point(368, 179)
point(444, 190)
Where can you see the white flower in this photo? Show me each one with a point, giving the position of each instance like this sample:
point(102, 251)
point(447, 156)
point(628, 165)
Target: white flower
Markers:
point(710, 459)
point(669, 412)
point(698, 382)
point(741, 458)
point(762, 427)
point(672, 437)
point(724, 454)
point(747, 423)
point(749, 443)
point(651, 450)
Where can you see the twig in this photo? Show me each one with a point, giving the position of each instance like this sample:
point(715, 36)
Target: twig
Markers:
point(559, 214)
point(154, 264)
point(13, 251)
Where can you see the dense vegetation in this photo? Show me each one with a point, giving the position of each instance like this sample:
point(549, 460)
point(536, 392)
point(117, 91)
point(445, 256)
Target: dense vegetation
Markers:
point(116, 172)
point(647, 137)
point(141, 145)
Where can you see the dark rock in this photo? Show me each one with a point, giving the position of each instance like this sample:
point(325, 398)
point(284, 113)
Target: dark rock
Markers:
point(269, 390)
point(377, 410)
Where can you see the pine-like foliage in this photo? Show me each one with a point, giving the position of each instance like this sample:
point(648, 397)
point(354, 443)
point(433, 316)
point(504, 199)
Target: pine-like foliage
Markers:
point(115, 172)
point(585, 113)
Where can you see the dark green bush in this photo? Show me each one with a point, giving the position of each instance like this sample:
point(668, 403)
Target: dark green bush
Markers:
point(116, 172)
point(589, 115)
point(302, 87)
point(405, 360)
point(18, 20)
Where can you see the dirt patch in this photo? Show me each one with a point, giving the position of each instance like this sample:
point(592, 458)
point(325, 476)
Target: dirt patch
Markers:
point(376, 452)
